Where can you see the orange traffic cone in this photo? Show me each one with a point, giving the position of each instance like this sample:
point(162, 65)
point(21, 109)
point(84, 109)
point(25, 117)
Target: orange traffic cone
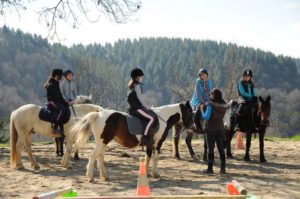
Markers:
point(143, 188)
point(231, 189)
point(239, 140)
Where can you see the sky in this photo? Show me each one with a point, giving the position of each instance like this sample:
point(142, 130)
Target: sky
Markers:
point(271, 25)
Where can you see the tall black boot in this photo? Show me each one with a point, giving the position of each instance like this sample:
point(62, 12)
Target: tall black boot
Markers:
point(223, 167)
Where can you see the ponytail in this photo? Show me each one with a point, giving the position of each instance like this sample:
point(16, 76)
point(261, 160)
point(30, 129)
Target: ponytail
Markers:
point(131, 83)
point(47, 82)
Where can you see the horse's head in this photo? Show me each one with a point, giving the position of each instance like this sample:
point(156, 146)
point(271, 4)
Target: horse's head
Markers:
point(186, 114)
point(264, 110)
point(83, 99)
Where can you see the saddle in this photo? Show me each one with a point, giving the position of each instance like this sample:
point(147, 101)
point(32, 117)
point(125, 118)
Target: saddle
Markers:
point(136, 125)
point(50, 113)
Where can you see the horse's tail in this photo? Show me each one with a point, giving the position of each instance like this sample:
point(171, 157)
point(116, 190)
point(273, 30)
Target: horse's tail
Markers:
point(83, 128)
point(13, 141)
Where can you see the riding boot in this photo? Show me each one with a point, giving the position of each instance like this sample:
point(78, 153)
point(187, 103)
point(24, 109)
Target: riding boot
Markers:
point(61, 130)
point(223, 167)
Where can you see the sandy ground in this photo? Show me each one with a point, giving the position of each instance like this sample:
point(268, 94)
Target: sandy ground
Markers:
point(278, 178)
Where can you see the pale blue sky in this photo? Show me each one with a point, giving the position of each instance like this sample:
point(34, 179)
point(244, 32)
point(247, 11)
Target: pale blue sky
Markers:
point(272, 25)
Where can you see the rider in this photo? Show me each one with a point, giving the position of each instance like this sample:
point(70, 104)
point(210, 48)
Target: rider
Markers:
point(67, 87)
point(202, 90)
point(214, 128)
point(56, 100)
point(138, 106)
point(247, 93)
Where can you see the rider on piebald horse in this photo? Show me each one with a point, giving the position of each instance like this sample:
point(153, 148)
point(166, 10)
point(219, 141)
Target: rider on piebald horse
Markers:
point(248, 98)
point(56, 102)
point(201, 94)
point(138, 107)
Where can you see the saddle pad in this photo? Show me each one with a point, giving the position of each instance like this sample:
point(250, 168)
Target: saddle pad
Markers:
point(46, 115)
point(136, 125)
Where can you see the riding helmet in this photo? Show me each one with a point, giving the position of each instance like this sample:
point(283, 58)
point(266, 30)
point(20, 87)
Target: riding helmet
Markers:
point(67, 72)
point(58, 72)
point(136, 72)
point(248, 72)
point(203, 71)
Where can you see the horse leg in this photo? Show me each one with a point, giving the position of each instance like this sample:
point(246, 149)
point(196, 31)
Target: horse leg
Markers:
point(32, 160)
point(66, 157)
point(148, 158)
point(248, 145)
point(261, 146)
point(188, 141)
point(176, 139)
point(205, 149)
point(101, 167)
point(155, 173)
point(19, 144)
point(76, 156)
point(91, 163)
point(57, 146)
point(62, 140)
point(228, 136)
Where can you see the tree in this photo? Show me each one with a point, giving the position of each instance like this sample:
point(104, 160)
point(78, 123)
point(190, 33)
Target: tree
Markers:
point(118, 11)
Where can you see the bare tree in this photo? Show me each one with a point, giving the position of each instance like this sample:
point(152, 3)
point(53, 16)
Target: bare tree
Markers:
point(118, 11)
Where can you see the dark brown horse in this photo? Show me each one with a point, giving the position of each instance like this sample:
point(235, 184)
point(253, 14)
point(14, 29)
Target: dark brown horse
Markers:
point(109, 125)
point(259, 112)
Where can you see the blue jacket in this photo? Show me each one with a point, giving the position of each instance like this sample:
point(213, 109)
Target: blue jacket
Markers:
point(201, 95)
point(246, 90)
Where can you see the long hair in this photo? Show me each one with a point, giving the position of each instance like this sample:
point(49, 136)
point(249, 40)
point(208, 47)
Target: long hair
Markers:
point(47, 82)
point(131, 83)
point(217, 96)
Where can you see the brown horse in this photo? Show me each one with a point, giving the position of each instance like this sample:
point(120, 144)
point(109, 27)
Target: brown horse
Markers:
point(259, 113)
point(109, 125)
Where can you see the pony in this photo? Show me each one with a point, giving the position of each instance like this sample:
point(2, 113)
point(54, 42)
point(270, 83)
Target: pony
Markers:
point(260, 114)
point(59, 141)
point(109, 125)
point(25, 121)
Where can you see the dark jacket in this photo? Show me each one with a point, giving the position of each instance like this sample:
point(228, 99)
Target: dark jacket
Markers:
point(215, 121)
point(54, 93)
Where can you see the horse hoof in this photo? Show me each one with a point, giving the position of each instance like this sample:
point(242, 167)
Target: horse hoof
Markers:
point(19, 167)
point(91, 180)
point(195, 158)
point(36, 167)
point(106, 179)
point(230, 156)
point(263, 160)
point(247, 159)
point(156, 175)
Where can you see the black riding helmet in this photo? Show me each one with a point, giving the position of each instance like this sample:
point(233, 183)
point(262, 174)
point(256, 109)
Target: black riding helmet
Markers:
point(136, 72)
point(248, 72)
point(57, 72)
point(203, 71)
point(67, 72)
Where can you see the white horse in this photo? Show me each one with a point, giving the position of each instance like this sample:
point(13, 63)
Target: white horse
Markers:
point(109, 125)
point(25, 121)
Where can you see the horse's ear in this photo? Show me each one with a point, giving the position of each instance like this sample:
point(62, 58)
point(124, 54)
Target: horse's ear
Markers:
point(188, 105)
point(269, 98)
point(260, 99)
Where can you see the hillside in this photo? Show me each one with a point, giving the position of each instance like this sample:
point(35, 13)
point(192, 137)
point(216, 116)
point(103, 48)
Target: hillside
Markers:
point(170, 65)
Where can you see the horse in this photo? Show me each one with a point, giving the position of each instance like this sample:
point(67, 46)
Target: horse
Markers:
point(261, 115)
point(109, 125)
point(25, 121)
point(59, 141)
